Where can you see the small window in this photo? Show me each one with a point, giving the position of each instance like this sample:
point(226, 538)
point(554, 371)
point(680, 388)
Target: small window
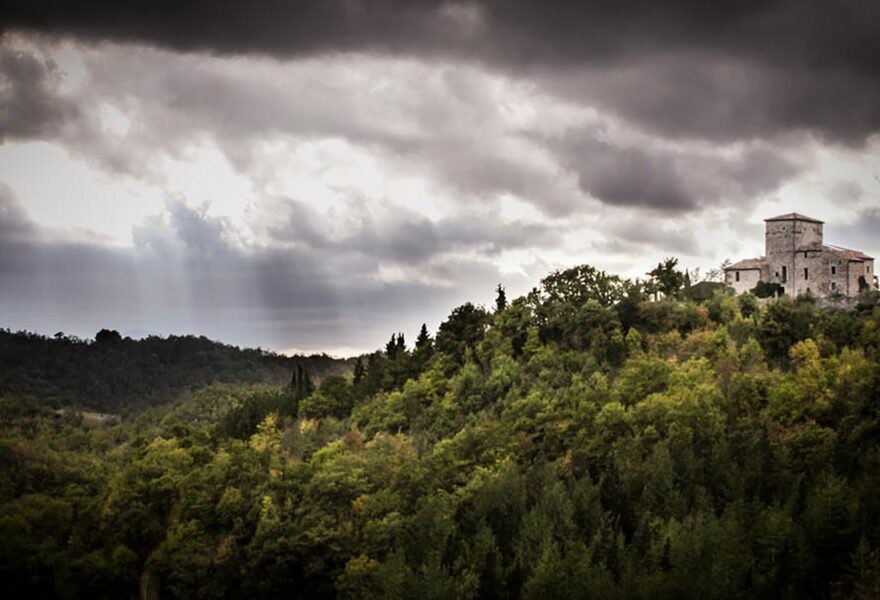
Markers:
point(805, 253)
point(806, 273)
point(833, 270)
point(737, 275)
point(784, 273)
point(833, 285)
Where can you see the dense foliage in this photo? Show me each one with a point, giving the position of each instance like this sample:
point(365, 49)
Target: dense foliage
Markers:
point(569, 444)
point(113, 373)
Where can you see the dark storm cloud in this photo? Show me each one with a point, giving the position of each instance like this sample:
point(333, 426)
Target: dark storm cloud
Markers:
point(720, 70)
point(821, 33)
point(29, 106)
point(668, 179)
point(693, 94)
point(276, 27)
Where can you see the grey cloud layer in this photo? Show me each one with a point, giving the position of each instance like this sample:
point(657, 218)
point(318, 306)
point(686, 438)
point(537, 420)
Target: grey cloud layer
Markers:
point(441, 121)
point(29, 105)
point(703, 69)
point(187, 273)
point(402, 236)
point(670, 180)
point(862, 233)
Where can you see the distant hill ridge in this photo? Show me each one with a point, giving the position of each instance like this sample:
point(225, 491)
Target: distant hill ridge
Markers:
point(114, 374)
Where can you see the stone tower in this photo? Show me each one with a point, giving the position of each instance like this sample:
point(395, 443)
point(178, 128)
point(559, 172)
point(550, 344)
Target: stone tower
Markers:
point(796, 258)
point(792, 246)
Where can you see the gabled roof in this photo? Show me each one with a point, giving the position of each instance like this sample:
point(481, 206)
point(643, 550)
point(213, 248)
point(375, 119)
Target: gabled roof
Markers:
point(749, 264)
point(794, 217)
point(856, 255)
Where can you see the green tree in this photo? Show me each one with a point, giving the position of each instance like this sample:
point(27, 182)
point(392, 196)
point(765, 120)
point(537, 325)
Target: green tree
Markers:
point(461, 331)
point(575, 286)
point(333, 398)
point(783, 323)
point(668, 280)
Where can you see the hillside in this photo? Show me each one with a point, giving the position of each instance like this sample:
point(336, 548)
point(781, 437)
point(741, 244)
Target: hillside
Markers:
point(584, 440)
point(112, 373)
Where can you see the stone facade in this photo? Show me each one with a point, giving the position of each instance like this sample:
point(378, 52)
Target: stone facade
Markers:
point(796, 258)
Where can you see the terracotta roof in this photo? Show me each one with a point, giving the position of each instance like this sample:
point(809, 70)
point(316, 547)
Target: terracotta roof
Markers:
point(748, 264)
point(856, 255)
point(794, 217)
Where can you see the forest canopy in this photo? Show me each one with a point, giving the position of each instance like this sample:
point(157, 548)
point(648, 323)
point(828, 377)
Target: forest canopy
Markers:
point(597, 437)
point(112, 373)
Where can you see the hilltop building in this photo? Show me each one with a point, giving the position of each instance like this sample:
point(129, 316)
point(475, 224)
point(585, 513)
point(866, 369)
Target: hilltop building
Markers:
point(796, 258)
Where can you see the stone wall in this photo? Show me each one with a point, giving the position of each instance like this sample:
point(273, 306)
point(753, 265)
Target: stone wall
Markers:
point(834, 271)
point(856, 270)
point(783, 237)
point(778, 238)
point(791, 247)
point(779, 248)
point(747, 280)
point(807, 235)
point(810, 274)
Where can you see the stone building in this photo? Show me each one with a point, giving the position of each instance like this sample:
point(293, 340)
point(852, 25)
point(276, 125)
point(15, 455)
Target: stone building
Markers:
point(796, 258)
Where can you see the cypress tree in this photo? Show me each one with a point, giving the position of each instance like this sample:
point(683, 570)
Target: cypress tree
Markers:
point(423, 342)
point(358, 371)
point(391, 347)
point(500, 299)
point(301, 384)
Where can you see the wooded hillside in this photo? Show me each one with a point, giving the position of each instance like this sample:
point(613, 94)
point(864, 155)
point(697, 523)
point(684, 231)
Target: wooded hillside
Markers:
point(112, 373)
point(581, 441)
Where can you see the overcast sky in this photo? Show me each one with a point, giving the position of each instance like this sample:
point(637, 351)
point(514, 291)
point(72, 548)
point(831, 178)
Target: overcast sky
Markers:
point(314, 175)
